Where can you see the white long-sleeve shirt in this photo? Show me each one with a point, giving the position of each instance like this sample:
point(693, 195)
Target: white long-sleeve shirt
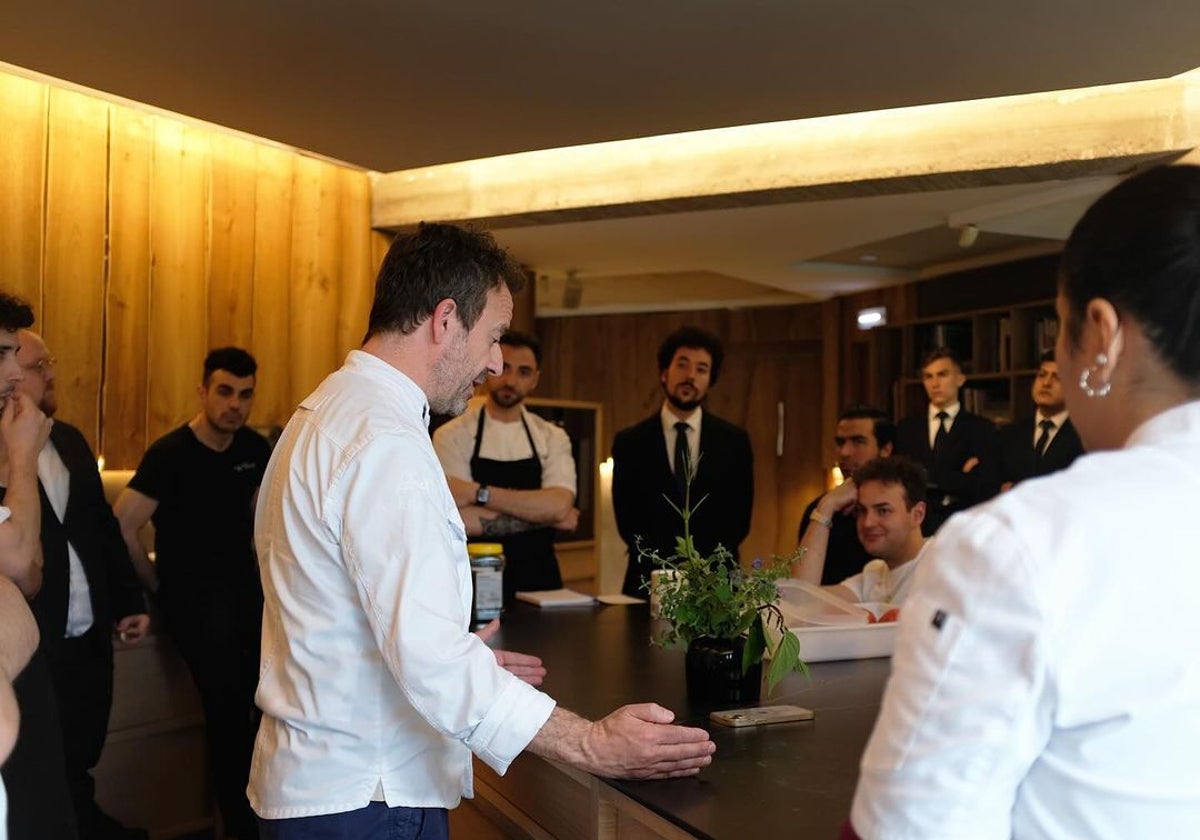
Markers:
point(1045, 682)
point(370, 680)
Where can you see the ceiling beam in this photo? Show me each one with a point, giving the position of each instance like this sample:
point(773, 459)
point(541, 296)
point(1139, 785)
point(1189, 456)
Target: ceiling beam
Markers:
point(1008, 140)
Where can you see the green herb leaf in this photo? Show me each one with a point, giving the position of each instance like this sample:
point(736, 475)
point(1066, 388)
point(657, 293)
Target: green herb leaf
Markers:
point(756, 646)
point(785, 659)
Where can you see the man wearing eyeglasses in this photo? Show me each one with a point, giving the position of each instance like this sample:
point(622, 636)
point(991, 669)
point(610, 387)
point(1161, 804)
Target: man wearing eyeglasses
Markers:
point(89, 592)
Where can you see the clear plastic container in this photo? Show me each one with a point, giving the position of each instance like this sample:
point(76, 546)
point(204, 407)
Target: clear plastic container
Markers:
point(805, 603)
point(829, 628)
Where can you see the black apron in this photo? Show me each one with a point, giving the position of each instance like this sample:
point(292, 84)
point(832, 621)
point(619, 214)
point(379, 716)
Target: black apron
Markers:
point(529, 559)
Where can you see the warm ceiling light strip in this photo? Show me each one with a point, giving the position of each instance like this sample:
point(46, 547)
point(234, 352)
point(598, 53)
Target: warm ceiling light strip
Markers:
point(154, 111)
point(984, 142)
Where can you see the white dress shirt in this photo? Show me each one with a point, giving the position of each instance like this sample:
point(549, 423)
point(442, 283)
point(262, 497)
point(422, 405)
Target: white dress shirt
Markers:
point(1056, 419)
point(1044, 683)
point(454, 443)
point(670, 433)
point(370, 680)
point(935, 422)
point(56, 481)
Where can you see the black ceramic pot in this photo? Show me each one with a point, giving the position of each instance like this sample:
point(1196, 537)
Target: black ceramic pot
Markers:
point(714, 673)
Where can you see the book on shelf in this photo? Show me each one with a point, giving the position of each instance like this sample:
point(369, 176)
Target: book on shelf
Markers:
point(1045, 336)
point(981, 401)
point(1004, 345)
point(955, 335)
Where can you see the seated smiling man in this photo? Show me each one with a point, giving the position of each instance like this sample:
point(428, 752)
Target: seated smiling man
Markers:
point(890, 510)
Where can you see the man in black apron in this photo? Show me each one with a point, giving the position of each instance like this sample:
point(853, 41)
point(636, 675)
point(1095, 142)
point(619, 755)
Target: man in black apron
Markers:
point(511, 472)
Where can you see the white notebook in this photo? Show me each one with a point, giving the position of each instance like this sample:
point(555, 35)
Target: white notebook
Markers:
point(556, 598)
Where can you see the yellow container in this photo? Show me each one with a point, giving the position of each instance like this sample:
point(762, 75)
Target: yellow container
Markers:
point(487, 581)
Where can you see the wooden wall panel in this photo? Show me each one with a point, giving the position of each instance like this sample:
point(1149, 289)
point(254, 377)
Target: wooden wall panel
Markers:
point(271, 324)
point(125, 405)
point(143, 242)
point(72, 314)
point(178, 338)
point(231, 247)
point(358, 261)
point(316, 240)
point(23, 176)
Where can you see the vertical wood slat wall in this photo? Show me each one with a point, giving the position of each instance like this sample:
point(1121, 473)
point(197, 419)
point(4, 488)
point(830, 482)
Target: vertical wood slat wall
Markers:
point(142, 242)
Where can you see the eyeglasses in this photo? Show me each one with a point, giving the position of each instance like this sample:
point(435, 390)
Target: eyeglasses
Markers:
point(42, 365)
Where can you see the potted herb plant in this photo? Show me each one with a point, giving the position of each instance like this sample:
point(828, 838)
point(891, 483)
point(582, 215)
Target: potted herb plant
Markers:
point(721, 613)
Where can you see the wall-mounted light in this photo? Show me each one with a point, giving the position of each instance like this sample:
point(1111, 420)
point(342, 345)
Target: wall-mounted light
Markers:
point(872, 317)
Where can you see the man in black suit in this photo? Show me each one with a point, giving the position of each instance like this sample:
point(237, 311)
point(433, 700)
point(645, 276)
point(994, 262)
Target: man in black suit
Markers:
point(1044, 443)
point(647, 462)
point(89, 591)
point(958, 449)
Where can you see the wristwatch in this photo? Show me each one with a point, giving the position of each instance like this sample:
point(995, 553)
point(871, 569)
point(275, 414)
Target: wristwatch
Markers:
point(483, 495)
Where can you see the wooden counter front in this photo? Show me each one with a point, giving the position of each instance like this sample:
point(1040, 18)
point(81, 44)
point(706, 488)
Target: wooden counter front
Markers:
point(796, 778)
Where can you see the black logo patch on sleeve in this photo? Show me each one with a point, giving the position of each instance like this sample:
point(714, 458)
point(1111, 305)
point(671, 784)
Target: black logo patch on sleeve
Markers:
point(939, 618)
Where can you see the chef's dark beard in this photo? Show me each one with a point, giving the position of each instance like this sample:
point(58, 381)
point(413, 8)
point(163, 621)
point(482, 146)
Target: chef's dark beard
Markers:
point(683, 405)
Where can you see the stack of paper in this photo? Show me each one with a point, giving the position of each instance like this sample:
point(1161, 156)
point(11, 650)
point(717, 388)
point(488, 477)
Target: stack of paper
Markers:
point(556, 598)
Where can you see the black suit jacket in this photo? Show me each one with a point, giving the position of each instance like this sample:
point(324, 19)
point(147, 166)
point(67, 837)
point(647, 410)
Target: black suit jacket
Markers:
point(1017, 459)
point(642, 476)
point(970, 436)
point(90, 526)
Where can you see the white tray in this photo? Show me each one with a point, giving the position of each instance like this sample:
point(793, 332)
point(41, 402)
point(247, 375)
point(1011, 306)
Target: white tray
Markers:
point(860, 641)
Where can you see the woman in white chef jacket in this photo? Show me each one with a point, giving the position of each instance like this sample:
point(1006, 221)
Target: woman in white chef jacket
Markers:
point(1046, 682)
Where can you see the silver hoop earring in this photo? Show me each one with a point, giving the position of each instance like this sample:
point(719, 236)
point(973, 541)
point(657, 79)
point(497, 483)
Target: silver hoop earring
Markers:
point(1088, 390)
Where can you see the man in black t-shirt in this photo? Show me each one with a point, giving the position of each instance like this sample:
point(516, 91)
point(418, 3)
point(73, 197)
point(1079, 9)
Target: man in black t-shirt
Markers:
point(198, 484)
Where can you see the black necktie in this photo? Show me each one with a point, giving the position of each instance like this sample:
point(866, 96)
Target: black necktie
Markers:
point(942, 432)
point(1044, 438)
point(682, 456)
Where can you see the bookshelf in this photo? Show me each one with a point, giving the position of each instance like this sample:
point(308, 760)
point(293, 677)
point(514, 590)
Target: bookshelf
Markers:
point(1006, 322)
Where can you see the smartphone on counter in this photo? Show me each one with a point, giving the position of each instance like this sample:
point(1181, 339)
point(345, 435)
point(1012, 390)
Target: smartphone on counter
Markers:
point(761, 715)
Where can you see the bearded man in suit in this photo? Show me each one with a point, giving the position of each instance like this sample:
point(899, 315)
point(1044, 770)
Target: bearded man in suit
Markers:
point(649, 458)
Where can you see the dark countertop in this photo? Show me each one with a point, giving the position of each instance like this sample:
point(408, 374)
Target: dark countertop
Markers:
point(796, 778)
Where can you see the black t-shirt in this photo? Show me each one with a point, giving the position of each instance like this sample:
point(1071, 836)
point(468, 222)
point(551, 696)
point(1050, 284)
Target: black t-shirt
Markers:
point(845, 556)
point(204, 523)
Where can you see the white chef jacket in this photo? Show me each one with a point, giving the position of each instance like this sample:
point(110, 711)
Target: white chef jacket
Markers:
point(1044, 682)
point(454, 443)
point(370, 680)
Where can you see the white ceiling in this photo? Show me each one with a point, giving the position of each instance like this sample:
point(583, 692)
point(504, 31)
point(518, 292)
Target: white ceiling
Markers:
point(388, 85)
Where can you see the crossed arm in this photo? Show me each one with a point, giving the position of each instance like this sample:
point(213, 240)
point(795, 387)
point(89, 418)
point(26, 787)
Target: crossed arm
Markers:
point(513, 511)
